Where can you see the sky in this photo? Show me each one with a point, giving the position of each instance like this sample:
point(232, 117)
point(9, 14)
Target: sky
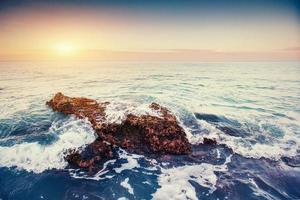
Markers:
point(150, 30)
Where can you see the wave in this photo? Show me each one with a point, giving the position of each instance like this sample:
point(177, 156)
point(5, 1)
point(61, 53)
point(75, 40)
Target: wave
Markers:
point(35, 157)
point(73, 133)
point(250, 138)
point(245, 143)
point(117, 112)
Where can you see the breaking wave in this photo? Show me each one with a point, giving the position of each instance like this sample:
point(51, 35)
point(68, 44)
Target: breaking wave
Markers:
point(254, 142)
point(36, 157)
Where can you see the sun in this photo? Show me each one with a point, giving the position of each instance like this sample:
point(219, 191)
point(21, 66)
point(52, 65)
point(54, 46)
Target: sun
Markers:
point(65, 49)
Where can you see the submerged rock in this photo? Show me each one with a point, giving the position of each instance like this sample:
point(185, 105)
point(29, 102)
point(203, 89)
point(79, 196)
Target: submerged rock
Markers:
point(138, 134)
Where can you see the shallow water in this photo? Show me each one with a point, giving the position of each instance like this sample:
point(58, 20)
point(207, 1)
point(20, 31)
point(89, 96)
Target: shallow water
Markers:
point(251, 108)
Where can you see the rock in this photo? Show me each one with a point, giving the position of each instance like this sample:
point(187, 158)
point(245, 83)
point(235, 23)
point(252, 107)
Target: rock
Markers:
point(209, 141)
point(137, 134)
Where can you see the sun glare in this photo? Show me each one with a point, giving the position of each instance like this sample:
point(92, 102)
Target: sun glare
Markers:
point(65, 49)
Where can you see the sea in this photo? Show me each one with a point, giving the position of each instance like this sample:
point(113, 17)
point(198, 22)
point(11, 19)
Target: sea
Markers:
point(251, 109)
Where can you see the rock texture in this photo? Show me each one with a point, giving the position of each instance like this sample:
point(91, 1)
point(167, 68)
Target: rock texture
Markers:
point(138, 134)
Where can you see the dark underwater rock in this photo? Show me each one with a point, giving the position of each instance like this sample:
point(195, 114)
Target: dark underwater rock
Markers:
point(209, 141)
point(138, 134)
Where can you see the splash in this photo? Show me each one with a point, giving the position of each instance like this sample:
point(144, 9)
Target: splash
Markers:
point(36, 157)
point(117, 112)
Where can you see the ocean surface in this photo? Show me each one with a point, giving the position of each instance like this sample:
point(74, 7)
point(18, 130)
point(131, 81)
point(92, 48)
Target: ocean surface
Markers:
point(252, 109)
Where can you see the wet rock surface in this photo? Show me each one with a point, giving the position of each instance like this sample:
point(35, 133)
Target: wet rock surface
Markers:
point(137, 134)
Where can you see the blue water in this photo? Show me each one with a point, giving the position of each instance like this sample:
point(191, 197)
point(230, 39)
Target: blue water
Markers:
point(252, 109)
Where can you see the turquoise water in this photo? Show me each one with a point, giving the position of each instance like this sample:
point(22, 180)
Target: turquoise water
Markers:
point(251, 108)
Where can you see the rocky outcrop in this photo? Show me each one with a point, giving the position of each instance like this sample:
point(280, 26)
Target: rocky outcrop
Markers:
point(138, 134)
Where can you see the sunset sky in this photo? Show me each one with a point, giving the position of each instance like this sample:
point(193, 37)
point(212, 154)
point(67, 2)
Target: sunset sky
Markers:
point(150, 30)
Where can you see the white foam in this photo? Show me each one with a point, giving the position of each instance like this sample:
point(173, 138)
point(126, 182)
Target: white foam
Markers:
point(218, 154)
point(35, 157)
point(175, 182)
point(117, 112)
point(100, 175)
point(275, 150)
point(122, 198)
point(279, 147)
point(131, 163)
point(126, 185)
point(259, 191)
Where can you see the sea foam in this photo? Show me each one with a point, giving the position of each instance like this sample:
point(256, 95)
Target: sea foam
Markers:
point(36, 157)
point(116, 112)
point(277, 148)
point(175, 182)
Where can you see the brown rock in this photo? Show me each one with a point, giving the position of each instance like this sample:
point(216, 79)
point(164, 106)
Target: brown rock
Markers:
point(138, 134)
